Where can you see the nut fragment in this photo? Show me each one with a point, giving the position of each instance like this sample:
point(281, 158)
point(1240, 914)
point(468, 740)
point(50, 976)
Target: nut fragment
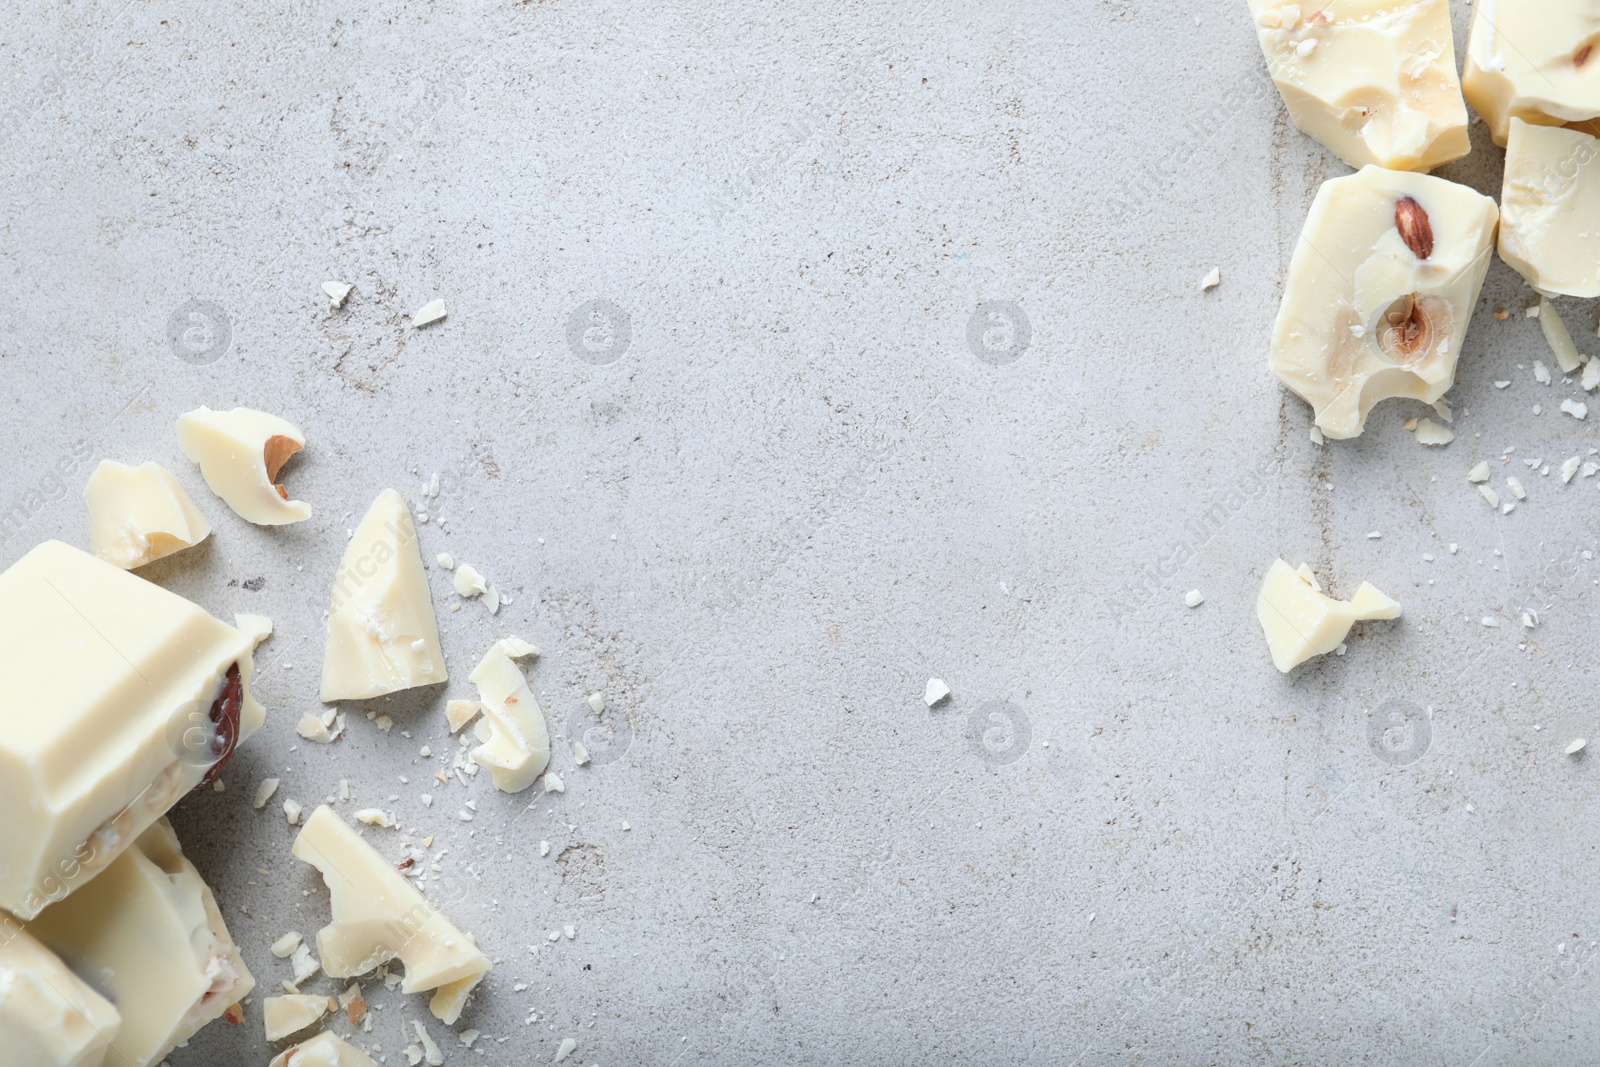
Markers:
point(1415, 229)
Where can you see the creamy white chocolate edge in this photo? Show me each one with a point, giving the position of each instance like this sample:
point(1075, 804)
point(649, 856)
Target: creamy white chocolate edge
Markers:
point(147, 933)
point(383, 635)
point(49, 1017)
point(1301, 621)
point(1369, 312)
point(379, 916)
point(1374, 81)
point(139, 514)
point(324, 1050)
point(240, 453)
point(1535, 60)
point(135, 672)
point(1550, 209)
point(515, 741)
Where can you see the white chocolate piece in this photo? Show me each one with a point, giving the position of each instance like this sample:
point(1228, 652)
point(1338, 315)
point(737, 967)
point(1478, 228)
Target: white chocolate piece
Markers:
point(428, 314)
point(469, 582)
point(1535, 60)
point(1568, 358)
point(118, 698)
point(139, 514)
point(148, 932)
point(1432, 433)
point(516, 744)
point(458, 713)
point(378, 916)
point(324, 1050)
point(1370, 313)
point(49, 1017)
point(934, 691)
point(240, 453)
point(1373, 80)
point(291, 1014)
point(1550, 209)
point(383, 635)
point(338, 293)
point(1301, 621)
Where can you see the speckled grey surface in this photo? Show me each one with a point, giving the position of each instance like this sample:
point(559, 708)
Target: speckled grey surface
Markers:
point(763, 508)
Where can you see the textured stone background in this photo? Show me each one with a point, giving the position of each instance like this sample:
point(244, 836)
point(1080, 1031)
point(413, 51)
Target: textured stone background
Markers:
point(789, 486)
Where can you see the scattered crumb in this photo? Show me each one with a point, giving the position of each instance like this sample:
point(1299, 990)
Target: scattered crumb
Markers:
point(553, 783)
point(446, 560)
point(1576, 408)
point(1569, 467)
point(292, 810)
point(427, 315)
point(566, 1049)
point(286, 945)
point(1212, 279)
point(1432, 434)
point(1541, 373)
point(935, 691)
point(469, 581)
point(338, 293)
point(1490, 495)
point(598, 702)
point(1516, 488)
point(1316, 436)
point(1194, 598)
point(1576, 746)
point(1480, 473)
point(458, 713)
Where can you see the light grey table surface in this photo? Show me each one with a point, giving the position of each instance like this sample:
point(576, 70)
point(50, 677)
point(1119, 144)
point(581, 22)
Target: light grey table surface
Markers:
point(787, 488)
